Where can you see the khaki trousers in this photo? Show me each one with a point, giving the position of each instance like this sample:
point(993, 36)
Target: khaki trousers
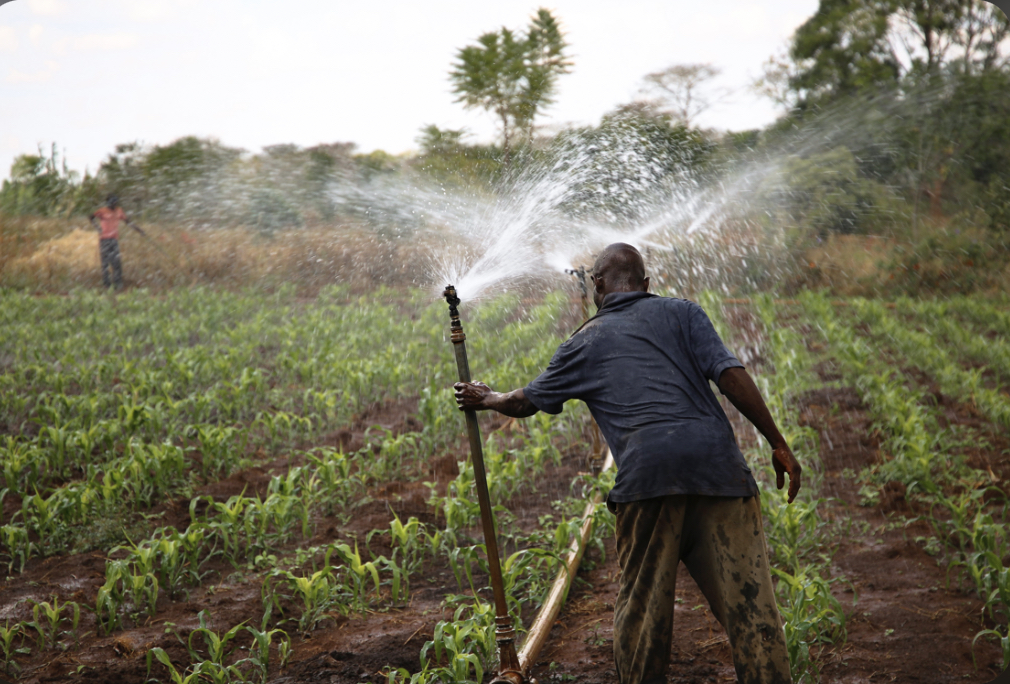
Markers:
point(722, 544)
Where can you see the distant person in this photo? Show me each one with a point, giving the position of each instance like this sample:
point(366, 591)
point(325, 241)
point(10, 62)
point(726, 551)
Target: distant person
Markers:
point(106, 220)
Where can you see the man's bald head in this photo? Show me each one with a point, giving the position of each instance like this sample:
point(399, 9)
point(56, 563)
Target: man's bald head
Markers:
point(618, 268)
point(621, 264)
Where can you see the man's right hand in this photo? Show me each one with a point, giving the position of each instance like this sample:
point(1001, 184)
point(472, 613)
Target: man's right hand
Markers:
point(786, 464)
point(477, 396)
point(472, 395)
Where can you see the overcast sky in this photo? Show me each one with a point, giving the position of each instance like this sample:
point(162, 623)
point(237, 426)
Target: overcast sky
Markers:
point(88, 74)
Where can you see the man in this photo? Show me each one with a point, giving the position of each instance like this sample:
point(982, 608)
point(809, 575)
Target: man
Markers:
point(683, 490)
point(106, 220)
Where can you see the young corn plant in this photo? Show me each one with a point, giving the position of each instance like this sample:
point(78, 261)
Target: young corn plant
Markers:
point(110, 599)
point(336, 483)
point(16, 546)
point(221, 449)
point(462, 560)
point(8, 633)
point(218, 647)
point(1002, 635)
point(47, 618)
point(389, 451)
point(460, 511)
point(202, 672)
point(408, 540)
point(319, 594)
point(812, 616)
point(463, 645)
point(358, 572)
point(259, 651)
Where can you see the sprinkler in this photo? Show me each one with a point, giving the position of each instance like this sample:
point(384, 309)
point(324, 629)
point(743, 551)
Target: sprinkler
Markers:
point(580, 276)
point(509, 670)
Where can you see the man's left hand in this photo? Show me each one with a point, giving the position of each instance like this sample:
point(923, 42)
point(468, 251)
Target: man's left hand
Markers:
point(786, 464)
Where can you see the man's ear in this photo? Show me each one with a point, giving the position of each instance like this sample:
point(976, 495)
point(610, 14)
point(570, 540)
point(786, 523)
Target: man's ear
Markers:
point(645, 284)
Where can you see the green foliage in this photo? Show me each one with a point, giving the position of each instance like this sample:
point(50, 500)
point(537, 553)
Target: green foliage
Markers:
point(186, 159)
point(916, 452)
point(8, 633)
point(43, 186)
point(270, 211)
point(450, 161)
point(796, 533)
point(849, 46)
point(843, 48)
point(826, 193)
point(617, 167)
point(216, 662)
point(461, 646)
point(47, 619)
point(216, 383)
point(812, 616)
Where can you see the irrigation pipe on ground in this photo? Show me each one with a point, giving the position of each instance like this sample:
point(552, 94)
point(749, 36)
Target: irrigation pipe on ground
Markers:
point(541, 627)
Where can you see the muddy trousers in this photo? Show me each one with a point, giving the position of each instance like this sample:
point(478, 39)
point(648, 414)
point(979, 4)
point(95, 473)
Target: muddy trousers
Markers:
point(721, 542)
point(109, 250)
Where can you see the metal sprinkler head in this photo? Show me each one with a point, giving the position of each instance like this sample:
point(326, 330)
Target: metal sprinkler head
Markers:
point(452, 299)
point(454, 325)
point(579, 273)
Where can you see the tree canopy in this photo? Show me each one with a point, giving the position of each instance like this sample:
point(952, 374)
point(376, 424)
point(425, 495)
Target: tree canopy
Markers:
point(512, 75)
point(850, 46)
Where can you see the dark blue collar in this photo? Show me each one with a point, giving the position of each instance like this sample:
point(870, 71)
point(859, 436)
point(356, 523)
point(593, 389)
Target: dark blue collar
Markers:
point(615, 301)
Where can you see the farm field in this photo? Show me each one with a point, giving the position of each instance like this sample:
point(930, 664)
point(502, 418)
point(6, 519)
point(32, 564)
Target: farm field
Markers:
point(203, 485)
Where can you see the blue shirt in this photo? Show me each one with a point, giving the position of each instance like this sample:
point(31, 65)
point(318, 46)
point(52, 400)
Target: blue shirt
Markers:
point(642, 365)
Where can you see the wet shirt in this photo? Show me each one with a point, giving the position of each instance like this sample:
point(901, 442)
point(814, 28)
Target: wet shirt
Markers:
point(643, 366)
point(109, 220)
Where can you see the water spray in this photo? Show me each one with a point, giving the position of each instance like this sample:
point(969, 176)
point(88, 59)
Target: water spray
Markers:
point(580, 275)
point(599, 446)
point(509, 670)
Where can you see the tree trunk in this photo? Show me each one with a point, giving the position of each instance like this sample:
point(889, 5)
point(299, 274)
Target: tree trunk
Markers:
point(505, 147)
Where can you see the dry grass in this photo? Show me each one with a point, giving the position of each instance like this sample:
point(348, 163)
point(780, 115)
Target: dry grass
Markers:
point(53, 255)
point(57, 254)
point(942, 259)
point(847, 264)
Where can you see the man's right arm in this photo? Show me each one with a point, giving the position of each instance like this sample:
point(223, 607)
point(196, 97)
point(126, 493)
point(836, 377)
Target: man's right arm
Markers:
point(479, 397)
point(739, 388)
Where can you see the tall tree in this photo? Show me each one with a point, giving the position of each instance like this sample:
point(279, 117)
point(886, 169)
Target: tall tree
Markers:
point(843, 48)
point(545, 61)
point(513, 76)
point(852, 45)
point(983, 34)
point(682, 88)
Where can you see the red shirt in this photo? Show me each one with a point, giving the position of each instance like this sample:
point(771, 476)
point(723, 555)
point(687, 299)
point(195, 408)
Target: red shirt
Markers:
point(109, 219)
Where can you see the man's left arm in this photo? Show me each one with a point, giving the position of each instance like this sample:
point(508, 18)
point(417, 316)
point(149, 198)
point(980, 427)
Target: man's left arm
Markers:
point(739, 388)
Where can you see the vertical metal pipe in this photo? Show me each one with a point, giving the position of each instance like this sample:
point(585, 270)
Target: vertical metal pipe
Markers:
point(509, 670)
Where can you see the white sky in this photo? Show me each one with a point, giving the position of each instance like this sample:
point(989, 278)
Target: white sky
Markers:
point(88, 74)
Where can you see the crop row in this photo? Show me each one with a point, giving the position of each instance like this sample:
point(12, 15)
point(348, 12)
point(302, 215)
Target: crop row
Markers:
point(921, 351)
point(168, 417)
point(966, 341)
point(917, 453)
point(796, 533)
